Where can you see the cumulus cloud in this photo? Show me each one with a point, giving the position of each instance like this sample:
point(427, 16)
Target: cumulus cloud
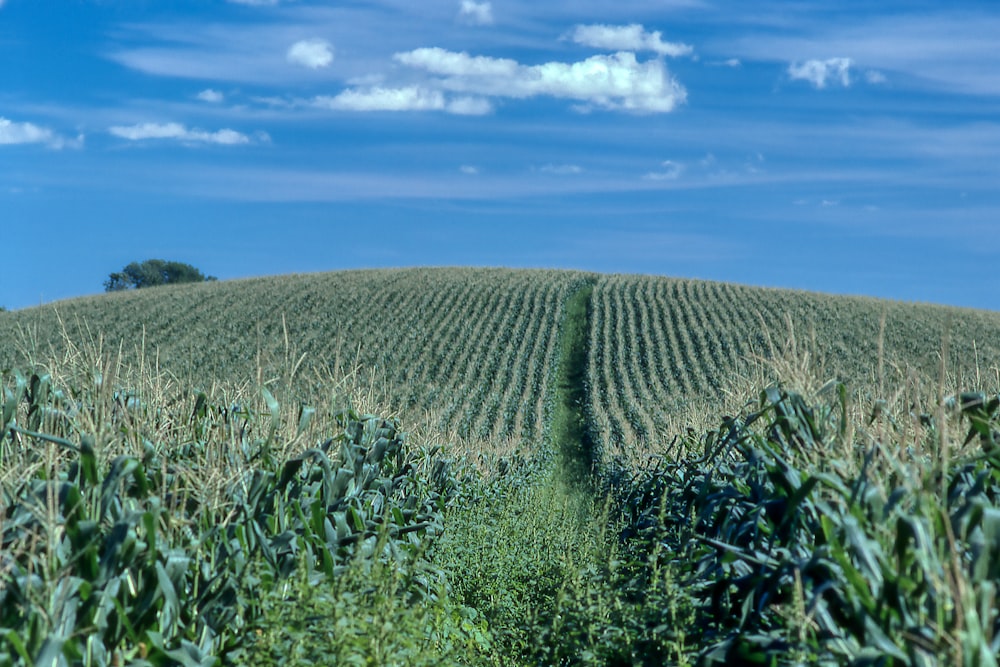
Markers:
point(378, 98)
point(311, 53)
point(631, 37)
point(819, 72)
point(23, 133)
point(669, 171)
point(28, 133)
point(475, 13)
point(211, 96)
point(178, 132)
point(617, 81)
point(405, 98)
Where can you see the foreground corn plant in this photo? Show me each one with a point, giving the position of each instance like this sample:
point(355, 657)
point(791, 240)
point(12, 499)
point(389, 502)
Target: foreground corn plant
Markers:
point(123, 560)
point(793, 564)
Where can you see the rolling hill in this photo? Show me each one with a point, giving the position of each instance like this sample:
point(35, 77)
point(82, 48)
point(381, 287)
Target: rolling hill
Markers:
point(206, 472)
point(469, 353)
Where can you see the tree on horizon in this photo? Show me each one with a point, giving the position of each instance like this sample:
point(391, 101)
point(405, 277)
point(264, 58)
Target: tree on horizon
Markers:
point(153, 272)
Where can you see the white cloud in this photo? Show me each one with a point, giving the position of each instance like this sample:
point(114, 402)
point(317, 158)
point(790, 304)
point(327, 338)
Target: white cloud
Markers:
point(179, 132)
point(670, 172)
point(211, 96)
point(469, 169)
point(616, 81)
point(12, 133)
point(631, 37)
point(875, 77)
point(405, 98)
point(920, 47)
point(408, 98)
point(255, 3)
point(469, 106)
point(561, 169)
point(476, 13)
point(311, 53)
point(23, 133)
point(819, 72)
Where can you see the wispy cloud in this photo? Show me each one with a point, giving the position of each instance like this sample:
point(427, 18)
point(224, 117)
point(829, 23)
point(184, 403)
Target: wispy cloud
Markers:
point(311, 53)
point(211, 96)
point(178, 132)
point(469, 106)
point(921, 45)
point(255, 3)
point(402, 98)
point(377, 98)
point(469, 170)
point(631, 37)
point(475, 13)
point(669, 171)
point(875, 77)
point(12, 133)
point(820, 72)
point(561, 169)
point(23, 133)
point(616, 82)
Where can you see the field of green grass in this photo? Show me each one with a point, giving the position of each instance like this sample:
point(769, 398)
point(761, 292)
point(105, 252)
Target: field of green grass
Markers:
point(496, 466)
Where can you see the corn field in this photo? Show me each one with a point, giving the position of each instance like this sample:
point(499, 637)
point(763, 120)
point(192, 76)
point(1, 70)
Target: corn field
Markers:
point(663, 351)
point(464, 353)
point(495, 466)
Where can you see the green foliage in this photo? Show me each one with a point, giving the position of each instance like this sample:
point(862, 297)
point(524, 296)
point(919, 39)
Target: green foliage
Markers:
point(153, 272)
point(125, 561)
point(182, 528)
point(667, 354)
point(371, 614)
point(789, 565)
point(510, 547)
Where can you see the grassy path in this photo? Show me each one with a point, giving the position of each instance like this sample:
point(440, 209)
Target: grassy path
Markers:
point(570, 432)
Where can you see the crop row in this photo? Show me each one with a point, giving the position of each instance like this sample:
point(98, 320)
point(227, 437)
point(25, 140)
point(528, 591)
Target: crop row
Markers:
point(663, 349)
point(467, 353)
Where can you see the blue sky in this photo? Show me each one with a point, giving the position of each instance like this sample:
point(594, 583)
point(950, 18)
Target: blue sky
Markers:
point(848, 147)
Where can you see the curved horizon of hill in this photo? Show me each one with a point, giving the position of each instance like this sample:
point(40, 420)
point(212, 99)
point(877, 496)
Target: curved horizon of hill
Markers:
point(471, 353)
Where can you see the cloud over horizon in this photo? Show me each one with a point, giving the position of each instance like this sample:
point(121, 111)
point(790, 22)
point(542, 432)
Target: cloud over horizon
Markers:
point(631, 37)
point(614, 82)
point(311, 53)
point(670, 171)
point(475, 13)
point(14, 133)
point(177, 131)
point(210, 96)
point(820, 72)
